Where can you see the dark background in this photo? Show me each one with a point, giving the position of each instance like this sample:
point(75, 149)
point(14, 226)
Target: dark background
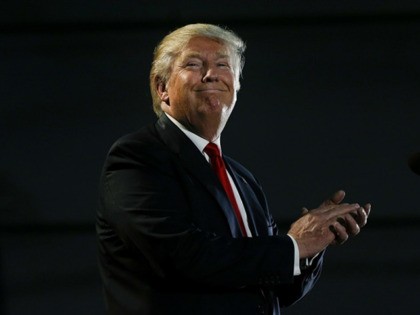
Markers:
point(329, 100)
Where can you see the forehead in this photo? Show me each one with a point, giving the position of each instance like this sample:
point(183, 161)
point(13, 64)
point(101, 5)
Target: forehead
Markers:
point(204, 46)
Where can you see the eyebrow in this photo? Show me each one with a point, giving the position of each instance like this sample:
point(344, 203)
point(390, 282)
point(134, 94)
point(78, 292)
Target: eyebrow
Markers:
point(198, 55)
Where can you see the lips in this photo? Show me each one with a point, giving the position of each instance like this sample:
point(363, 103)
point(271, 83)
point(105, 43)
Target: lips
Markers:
point(210, 90)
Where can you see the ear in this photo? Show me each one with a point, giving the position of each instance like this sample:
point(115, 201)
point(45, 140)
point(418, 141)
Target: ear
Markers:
point(162, 92)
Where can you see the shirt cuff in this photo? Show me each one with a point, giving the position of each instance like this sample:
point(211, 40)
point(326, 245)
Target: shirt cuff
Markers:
point(307, 262)
point(296, 266)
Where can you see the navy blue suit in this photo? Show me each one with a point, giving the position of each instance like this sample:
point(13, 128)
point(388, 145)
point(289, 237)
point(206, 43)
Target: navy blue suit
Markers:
point(169, 242)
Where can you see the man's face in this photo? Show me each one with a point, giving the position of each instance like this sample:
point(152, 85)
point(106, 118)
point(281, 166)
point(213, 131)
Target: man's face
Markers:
point(201, 91)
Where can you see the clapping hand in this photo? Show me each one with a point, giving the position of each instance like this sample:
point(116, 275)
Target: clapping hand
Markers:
point(331, 223)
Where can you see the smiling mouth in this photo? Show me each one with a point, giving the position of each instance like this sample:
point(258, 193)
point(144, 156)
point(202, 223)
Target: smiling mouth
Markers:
point(210, 90)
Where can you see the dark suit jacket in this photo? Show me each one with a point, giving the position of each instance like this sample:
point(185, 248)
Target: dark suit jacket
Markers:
point(169, 242)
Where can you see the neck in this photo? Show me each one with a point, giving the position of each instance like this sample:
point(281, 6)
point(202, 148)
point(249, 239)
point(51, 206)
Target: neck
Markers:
point(206, 130)
point(203, 133)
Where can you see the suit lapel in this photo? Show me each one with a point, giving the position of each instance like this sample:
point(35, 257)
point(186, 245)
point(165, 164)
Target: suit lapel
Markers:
point(195, 163)
point(257, 221)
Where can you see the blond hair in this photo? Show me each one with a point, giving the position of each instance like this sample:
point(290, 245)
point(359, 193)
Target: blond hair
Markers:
point(172, 45)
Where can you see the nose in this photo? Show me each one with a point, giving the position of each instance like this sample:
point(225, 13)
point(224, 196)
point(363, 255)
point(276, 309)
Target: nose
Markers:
point(210, 75)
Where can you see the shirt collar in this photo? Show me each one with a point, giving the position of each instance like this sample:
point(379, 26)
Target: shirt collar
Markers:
point(199, 142)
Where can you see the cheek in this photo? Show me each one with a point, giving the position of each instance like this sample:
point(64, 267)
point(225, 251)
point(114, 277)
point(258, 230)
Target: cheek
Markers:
point(230, 80)
point(183, 83)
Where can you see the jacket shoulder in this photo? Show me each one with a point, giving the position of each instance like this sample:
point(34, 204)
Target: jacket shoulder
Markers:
point(141, 147)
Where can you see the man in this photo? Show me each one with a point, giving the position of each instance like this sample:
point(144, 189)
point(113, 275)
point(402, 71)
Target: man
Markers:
point(183, 230)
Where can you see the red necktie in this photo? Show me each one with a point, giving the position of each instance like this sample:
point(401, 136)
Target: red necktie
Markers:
point(218, 166)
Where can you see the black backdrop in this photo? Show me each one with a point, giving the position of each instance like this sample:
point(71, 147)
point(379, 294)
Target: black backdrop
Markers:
point(329, 100)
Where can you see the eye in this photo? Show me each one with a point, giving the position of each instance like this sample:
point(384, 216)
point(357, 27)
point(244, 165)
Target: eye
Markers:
point(192, 63)
point(223, 65)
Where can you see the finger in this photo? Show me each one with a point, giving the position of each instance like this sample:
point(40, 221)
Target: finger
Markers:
point(351, 225)
point(335, 199)
point(340, 210)
point(340, 232)
point(367, 208)
point(342, 221)
point(361, 217)
point(333, 231)
point(324, 208)
point(327, 208)
point(338, 196)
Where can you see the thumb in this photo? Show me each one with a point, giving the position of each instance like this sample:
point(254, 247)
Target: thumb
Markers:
point(336, 198)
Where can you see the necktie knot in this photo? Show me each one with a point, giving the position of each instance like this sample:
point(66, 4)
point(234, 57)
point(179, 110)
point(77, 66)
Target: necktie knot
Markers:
point(212, 150)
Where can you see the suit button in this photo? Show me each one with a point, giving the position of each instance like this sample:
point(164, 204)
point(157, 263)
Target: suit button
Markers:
point(260, 309)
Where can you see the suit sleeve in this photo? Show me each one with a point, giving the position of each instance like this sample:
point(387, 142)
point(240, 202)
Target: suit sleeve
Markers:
point(146, 206)
point(290, 293)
